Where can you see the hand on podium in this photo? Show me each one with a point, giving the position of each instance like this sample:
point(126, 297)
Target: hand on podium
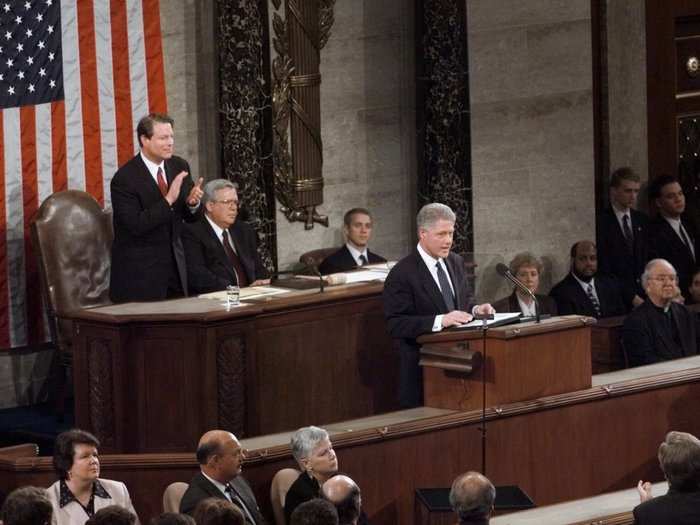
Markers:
point(456, 318)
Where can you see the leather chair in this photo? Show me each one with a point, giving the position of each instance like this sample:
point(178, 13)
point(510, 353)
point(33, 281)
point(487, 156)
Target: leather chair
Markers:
point(314, 258)
point(72, 238)
point(173, 496)
point(278, 492)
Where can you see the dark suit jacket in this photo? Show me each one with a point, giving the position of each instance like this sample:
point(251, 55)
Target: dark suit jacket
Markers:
point(572, 299)
point(673, 508)
point(511, 304)
point(201, 488)
point(666, 244)
point(147, 232)
point(208, 267)
point(647, 340)
point(412, 299)
point(342, 261)
point(614, 258)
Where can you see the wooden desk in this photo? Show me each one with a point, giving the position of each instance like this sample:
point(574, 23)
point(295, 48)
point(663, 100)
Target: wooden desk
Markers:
point(152, 377)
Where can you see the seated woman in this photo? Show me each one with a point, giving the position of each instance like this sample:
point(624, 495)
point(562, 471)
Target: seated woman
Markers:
point(79, 492)
point(526, 268)
point(313, 451)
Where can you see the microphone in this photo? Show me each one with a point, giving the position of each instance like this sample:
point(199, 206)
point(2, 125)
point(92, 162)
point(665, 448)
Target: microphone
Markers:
point(503, 270)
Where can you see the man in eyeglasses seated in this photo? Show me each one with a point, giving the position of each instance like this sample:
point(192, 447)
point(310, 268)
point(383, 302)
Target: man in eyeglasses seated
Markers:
point(660, 328)
point(220, 250)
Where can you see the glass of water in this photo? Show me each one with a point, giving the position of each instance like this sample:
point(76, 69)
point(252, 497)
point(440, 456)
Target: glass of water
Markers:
point(233, 295)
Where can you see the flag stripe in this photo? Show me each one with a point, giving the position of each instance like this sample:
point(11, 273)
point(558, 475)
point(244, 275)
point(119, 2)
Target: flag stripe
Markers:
point(91, 114)
point(105, 93)
point(43, 151)
point(75, 163)
point(122, 91)
point(154, 57)
point(31, 204)
point(4, 277)
point(137, 61)
point(58, 146)
point(14, 214)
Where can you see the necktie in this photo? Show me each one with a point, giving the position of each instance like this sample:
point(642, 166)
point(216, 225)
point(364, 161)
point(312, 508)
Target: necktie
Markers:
point(238, 502)
point(363, 259)
point(235, 261)
point(161, 182)
point(592, 297)
point(686, 240)
point(627, 231)
point(445, 288)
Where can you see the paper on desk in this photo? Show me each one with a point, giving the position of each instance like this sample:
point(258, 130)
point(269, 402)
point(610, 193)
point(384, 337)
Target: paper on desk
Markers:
point(252, 292)
point(363, 276)
point(498, 319)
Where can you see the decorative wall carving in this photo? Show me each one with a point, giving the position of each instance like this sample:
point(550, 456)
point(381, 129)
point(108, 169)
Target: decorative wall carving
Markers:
point(100, 383)
point(245, 110)
point(444, 146)
point(297, 163)
point(231, 380)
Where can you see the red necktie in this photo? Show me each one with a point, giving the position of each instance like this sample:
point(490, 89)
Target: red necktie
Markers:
point(235, 261)
point(161, 182)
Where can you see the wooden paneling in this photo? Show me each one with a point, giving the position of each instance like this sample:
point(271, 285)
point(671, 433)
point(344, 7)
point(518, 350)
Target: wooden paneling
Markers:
point(556, 449)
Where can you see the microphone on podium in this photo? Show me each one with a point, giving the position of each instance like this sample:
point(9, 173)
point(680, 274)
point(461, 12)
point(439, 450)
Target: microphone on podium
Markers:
point(503, 270)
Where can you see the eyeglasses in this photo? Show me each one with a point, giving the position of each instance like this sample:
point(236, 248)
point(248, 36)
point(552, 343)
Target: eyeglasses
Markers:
point(229, 202)
point(664, 278)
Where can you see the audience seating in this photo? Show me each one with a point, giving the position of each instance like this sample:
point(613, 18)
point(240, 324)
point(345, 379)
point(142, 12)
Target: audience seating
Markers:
point(72, 238)
point(314, 258)
point(173, 495)
point(278, 492)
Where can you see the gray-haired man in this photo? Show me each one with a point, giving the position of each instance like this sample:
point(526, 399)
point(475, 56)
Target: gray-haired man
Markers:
point(220, 250)
point(425, 292)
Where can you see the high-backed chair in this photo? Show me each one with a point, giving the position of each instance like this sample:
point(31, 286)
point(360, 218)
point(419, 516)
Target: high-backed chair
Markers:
point(173, 496)
point(72, 238)
point(314, 258)
point(278, 492)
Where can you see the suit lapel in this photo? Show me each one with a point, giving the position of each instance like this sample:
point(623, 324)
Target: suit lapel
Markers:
point(431, 288)
point(348, 259)
point(147, 179)
point(449, 263)
point(219, 249)
point(247, 264)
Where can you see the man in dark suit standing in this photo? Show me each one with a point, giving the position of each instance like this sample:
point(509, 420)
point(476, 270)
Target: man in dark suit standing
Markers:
point(583, 291)
point(357, 227)
point(671, 237)
point(679, 457)
point(660, 329)
point(622, 236)
point(220, 456)
point(221, 250)
point(152, 195)
point(425, 292)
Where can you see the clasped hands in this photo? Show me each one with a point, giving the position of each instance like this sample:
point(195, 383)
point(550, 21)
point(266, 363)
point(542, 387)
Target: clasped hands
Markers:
point(193, 198)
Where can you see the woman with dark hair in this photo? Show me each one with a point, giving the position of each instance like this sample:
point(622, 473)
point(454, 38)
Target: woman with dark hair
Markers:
point(217, 511)
point(80, 492)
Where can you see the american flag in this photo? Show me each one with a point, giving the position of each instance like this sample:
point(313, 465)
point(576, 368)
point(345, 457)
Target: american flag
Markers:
point(75, 77)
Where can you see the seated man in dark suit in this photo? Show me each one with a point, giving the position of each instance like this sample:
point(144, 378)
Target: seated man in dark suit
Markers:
point(425, 292)
point(660, 329)
point(622, 235)
point(472, 497)
point(583, 291)
point(527, 269)
point(358, 230)
point(679, 457)
point(671, 237)
point(220, 456)
point(220, 250)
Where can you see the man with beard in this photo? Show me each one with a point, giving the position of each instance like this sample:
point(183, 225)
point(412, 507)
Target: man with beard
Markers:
point(583, 291)
point(660, 329)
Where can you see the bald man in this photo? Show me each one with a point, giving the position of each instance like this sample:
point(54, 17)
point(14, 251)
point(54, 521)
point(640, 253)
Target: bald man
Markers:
point(472, 497)
point(584, 292)
point(344, 494)
point(660, 329)
point(220, 457)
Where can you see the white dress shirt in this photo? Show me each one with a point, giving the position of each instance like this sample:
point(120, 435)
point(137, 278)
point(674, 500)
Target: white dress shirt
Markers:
point(431, 262)
point(356, 253)
point(676, 224)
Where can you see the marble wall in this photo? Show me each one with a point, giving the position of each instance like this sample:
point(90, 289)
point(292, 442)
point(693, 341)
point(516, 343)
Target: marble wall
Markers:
point(367, 127)
point(532, 133)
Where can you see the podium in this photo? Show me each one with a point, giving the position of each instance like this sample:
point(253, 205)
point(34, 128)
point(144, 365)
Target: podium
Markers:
point(523, 361)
